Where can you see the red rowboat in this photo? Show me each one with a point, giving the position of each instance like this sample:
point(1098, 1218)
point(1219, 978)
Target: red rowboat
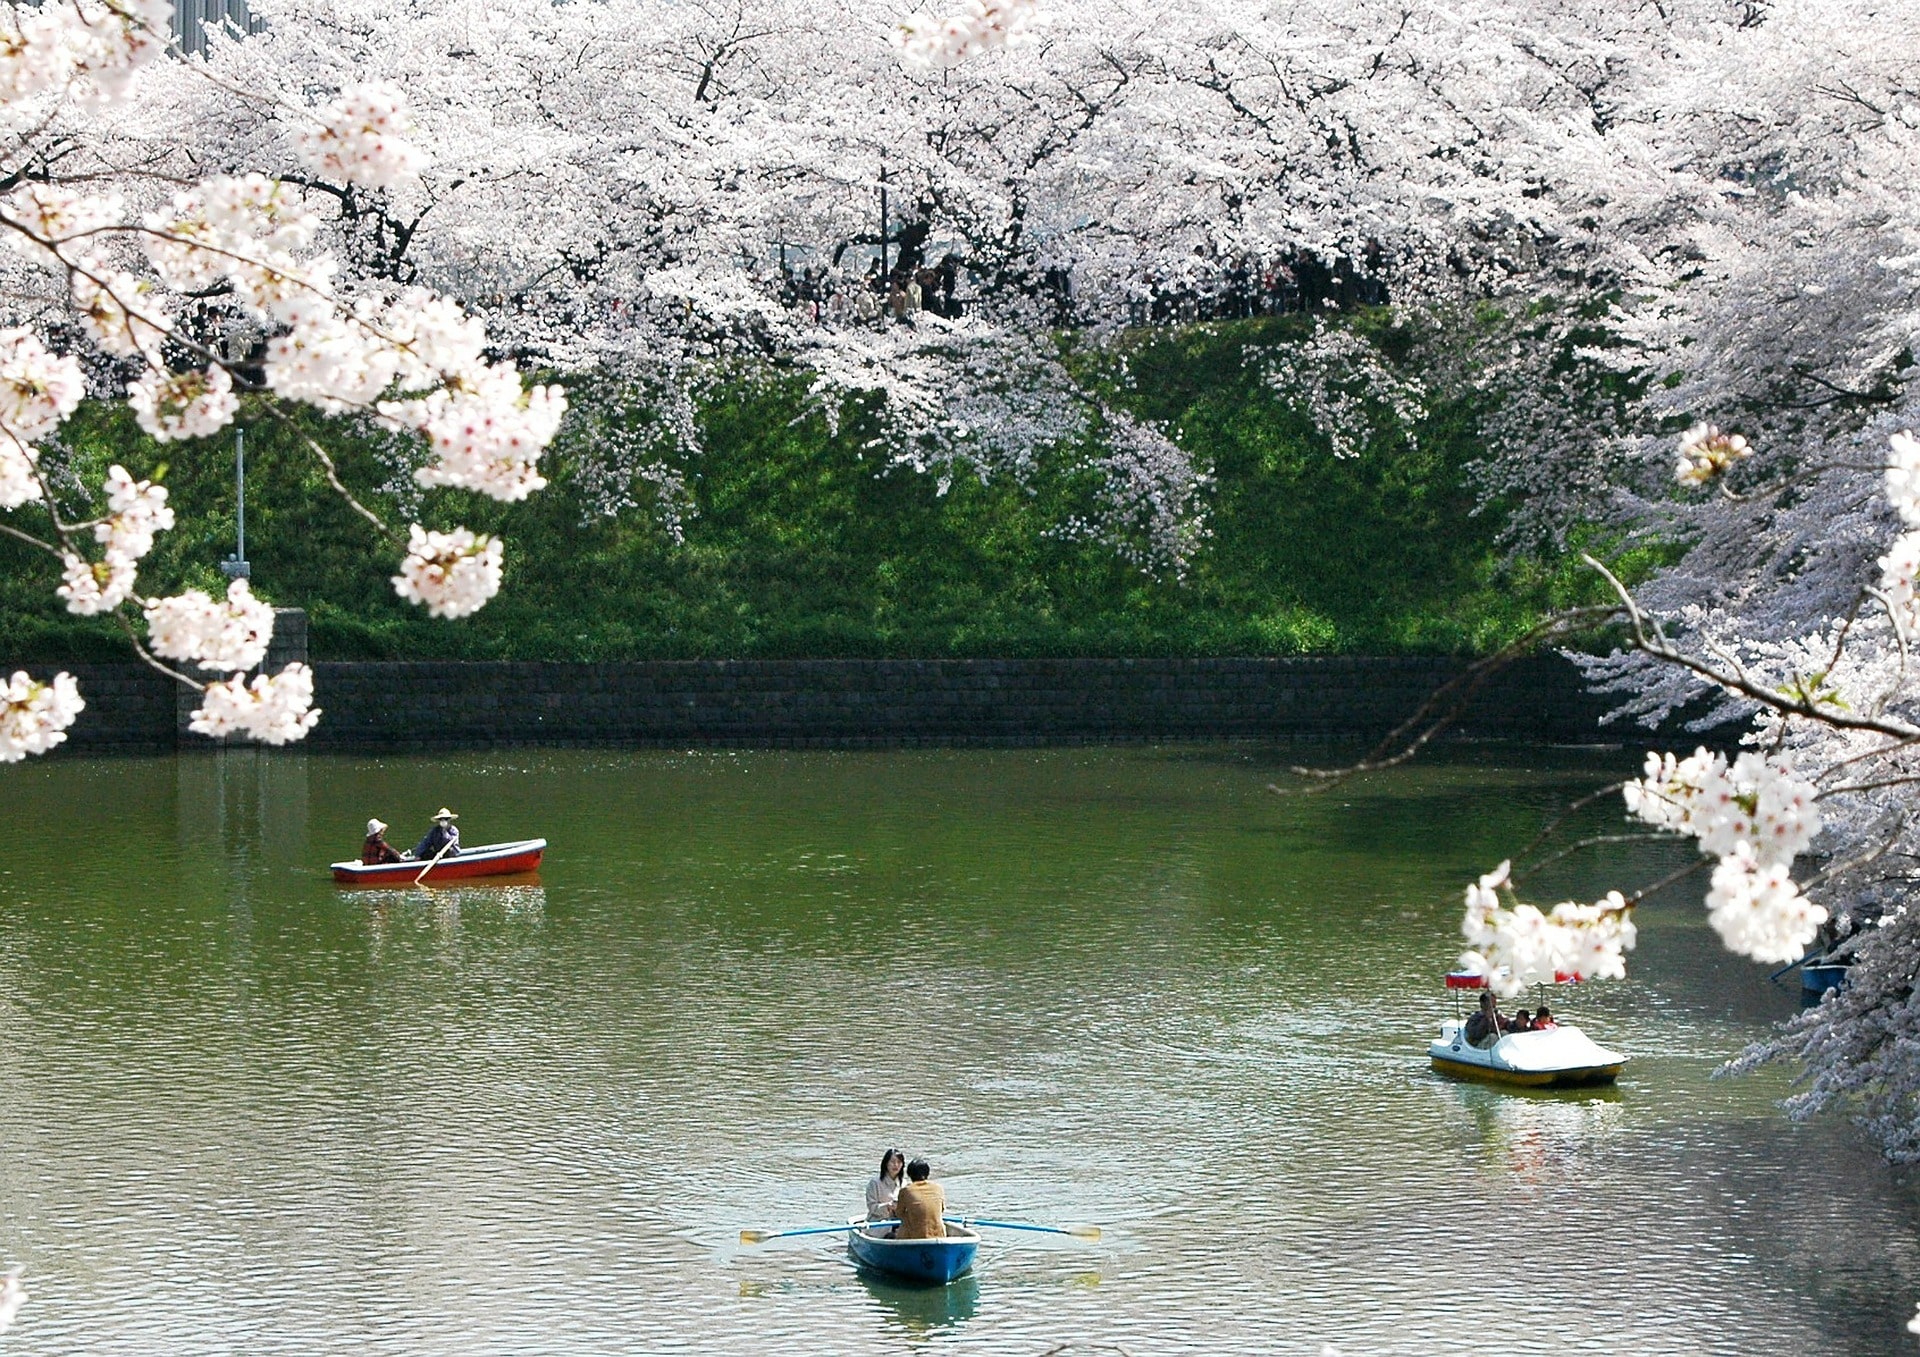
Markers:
point(489, 859)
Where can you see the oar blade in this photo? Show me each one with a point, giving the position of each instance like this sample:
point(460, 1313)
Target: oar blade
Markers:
point(753, 1236)
point(1085, 1231)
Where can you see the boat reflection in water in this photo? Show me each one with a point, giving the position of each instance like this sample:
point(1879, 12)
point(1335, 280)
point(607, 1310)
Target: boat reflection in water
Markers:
point(445, 907)
point(919, 1310)
point(1540, 1135)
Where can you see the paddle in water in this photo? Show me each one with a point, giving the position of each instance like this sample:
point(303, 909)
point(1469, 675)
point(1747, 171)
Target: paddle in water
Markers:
point(762, 1236)
point(435, 863)
point(1076, 1231)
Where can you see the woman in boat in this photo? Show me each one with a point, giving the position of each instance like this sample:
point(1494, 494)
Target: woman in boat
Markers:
point(376, 849)
point(884, 1187)
point(1543, 1020)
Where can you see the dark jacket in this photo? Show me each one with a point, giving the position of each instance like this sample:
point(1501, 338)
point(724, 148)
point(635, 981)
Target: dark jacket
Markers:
point(437, 837)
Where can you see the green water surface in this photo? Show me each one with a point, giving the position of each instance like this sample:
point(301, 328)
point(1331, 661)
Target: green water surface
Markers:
point(243, 1111)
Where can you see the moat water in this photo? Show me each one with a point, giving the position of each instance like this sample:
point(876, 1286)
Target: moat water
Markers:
point(244, 1111)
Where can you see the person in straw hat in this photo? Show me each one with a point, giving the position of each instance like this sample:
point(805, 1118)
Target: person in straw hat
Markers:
point(444, 834)
point(376, 849)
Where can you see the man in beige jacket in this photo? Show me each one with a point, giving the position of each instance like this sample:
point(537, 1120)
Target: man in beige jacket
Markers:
point(920, 1205)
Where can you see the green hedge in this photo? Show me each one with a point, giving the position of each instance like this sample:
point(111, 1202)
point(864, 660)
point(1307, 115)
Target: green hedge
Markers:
point(802, 544)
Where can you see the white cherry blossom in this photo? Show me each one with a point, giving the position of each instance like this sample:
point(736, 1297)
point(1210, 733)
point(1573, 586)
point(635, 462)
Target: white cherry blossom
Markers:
point(92, 587)
point(489, 432)
point(121, 313)
point(177, 405)
point(249, 230)
point(1758, 910)
point(1706, 452)
point(273, 709)
point(136, 511)
point(362, 137)
point(19, 484)
point(978, 26)
point(229, 634)
point(1518, 945)
point(1903, 476)
point(38, 389)
point(1898, 569)
point(34, 718)
point(1755, 801)
point(60, 225)
point(91, 46)
point(452, 573)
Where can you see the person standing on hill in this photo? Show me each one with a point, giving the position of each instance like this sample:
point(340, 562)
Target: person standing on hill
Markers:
point(920, 1205)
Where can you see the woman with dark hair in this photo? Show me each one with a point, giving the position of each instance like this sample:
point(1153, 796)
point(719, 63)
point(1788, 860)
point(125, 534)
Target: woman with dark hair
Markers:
point(882, 1190)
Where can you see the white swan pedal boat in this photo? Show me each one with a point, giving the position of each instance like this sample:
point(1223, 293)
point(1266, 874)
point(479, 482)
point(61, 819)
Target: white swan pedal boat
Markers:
point(1561, 1056)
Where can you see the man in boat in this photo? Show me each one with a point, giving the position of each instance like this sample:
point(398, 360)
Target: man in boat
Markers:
point(1483, 1028)
point(376, 849)
point(444, 835)
point(920, 1205)
point(1543, 1020)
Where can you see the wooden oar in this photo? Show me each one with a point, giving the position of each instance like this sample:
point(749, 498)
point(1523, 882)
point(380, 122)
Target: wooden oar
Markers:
point(435, 863)
point(762, 1236)
point(1077, 1231)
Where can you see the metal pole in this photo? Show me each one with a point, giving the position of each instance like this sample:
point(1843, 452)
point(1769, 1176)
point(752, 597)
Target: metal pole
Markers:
point(235, 566)
point(883, 216)
point(240, 494)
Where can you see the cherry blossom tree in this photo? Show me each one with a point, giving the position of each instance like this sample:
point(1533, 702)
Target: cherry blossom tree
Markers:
point(117, 258)
point(1667, 249)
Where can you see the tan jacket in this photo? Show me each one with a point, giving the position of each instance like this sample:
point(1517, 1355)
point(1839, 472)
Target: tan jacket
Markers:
point(920, 1206)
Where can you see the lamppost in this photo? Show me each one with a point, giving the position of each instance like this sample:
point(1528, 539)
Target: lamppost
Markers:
point(883, 216)
point(235, 567)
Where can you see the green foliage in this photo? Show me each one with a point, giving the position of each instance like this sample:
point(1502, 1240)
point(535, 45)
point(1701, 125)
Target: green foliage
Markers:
point(800, 543)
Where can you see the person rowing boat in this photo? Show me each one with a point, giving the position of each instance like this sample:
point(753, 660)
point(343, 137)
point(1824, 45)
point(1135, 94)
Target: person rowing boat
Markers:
point(443, 840)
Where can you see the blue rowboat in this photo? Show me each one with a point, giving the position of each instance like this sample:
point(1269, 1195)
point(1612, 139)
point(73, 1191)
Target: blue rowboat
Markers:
point(934, 1262)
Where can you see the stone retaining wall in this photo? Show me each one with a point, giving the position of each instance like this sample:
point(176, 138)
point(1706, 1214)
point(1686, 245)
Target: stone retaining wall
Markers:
point(852, 703)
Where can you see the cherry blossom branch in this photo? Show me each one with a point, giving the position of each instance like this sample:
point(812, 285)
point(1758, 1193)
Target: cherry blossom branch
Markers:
point(1648, 638)
point(325, 459)
point(1593, 841)
point(1446, 704)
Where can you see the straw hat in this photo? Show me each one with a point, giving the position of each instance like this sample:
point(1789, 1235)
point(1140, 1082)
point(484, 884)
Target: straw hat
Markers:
point(376, 827)
point(444, 814)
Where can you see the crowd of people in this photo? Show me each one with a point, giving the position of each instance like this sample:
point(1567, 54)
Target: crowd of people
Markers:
point(832, 295)
point(1209, 288)
point(1204, 288)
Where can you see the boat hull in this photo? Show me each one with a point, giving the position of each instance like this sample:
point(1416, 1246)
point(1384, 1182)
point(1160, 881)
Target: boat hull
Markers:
point(931, 1262)
point(492, 859)
point(1561, 1057)
point(1580, 1078)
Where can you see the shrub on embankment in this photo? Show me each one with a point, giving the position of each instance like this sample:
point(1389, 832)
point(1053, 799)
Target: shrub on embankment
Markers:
point(800, 543)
